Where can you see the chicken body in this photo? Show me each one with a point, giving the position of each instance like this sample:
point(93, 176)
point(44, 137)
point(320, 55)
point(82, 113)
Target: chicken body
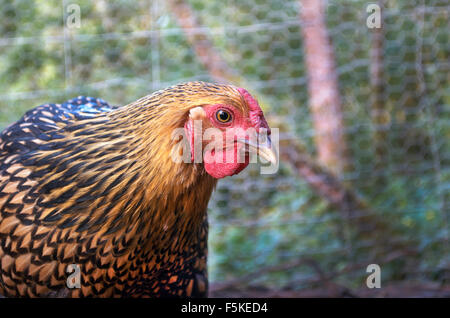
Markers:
point(91, 188)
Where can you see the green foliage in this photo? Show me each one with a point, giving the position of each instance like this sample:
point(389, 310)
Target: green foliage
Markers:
point(125, 50)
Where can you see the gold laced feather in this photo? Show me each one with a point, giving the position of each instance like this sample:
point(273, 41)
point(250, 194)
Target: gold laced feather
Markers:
point(105, 195)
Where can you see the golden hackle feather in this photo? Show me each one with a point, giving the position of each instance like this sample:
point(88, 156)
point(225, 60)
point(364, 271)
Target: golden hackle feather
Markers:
point(103, 193)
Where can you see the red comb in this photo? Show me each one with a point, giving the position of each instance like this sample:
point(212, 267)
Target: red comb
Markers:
point(255, 112)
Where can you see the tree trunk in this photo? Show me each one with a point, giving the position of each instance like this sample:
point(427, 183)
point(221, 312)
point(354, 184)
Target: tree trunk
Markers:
point(325, 100)
point(202, 45)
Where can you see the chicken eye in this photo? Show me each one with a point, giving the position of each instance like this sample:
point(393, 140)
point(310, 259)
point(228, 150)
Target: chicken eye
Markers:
point(223, 116)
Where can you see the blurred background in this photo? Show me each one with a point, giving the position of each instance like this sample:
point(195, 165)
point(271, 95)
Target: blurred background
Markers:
point(363, 115)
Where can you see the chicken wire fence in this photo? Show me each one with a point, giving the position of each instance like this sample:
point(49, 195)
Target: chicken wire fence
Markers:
point(272, 232)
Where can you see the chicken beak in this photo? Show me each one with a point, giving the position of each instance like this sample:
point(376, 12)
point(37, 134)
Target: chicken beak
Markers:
point(264, 150)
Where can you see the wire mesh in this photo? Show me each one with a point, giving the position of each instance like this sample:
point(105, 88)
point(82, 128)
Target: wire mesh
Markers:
point(397, 129)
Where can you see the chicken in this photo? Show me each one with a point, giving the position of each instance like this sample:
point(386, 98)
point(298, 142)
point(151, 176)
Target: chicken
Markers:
point(92, 190)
